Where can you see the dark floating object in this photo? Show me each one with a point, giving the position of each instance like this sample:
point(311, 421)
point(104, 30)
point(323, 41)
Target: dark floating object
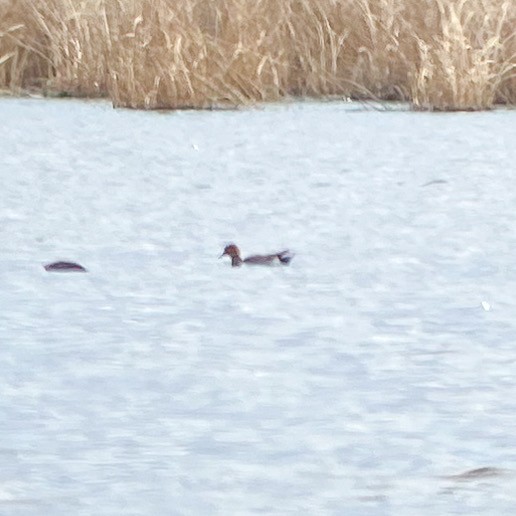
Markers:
point(233, 251)
point(64, 267)
point(435, 182)
point(479, 473)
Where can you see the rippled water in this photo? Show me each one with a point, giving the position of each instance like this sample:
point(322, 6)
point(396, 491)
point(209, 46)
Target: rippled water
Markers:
point(361, 380)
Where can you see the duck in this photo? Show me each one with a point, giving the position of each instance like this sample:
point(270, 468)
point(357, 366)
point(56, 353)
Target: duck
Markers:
point(64, 267)
point(282, 258)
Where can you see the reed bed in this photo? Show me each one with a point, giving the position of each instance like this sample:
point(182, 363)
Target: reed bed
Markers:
point(435, 54)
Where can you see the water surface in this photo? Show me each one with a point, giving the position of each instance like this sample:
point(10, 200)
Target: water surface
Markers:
point(365, 379)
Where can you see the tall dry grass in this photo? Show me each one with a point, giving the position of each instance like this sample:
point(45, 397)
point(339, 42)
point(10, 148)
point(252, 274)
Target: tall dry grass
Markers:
point(469, 63)
point(437, 54)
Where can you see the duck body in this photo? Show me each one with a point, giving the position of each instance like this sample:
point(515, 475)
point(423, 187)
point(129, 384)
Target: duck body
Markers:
point(281, 258)
point(64, 267)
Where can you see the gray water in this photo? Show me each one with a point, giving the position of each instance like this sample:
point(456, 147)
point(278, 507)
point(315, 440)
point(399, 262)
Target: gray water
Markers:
point(360, 380)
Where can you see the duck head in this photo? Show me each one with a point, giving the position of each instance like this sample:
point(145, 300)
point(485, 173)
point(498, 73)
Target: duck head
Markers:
point(230, 250)
point(233, 252)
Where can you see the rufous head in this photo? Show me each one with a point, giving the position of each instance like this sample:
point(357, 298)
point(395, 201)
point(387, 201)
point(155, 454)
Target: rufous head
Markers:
point(231, 250)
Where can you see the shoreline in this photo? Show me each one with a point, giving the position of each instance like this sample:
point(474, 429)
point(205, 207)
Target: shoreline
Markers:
point(154, 54)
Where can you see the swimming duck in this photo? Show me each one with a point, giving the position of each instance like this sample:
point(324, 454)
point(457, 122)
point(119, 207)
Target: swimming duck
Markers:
point(233, 251)
point(64, 267)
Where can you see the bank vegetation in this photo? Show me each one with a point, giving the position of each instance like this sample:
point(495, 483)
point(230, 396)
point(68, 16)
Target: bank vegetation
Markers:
point(435, 54)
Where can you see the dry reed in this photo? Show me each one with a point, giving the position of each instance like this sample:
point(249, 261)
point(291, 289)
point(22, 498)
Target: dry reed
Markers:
point(437, 54)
